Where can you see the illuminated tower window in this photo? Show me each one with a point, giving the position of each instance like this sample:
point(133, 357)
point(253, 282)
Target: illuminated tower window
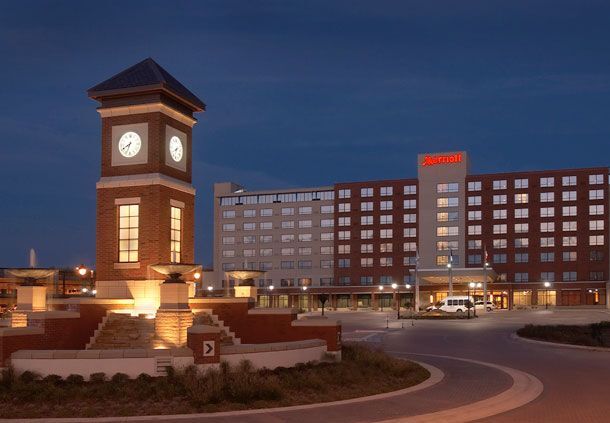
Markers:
point(176, 234)
point(128, 233)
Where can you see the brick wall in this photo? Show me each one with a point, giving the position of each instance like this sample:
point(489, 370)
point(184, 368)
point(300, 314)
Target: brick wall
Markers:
point(11, 343)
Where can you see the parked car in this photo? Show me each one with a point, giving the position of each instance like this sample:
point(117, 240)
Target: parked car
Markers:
point(479, 305)
point(455, 304)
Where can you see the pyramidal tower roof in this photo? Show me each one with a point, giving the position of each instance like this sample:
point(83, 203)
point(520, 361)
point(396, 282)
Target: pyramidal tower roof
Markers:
point(146, 75)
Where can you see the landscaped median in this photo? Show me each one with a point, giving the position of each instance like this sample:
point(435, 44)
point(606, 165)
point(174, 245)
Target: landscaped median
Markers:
point(592, 335)
point(362, 372)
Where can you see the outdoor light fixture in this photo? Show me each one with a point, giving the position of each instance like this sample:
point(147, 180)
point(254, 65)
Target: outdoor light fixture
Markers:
point(197, 275)
point(210, 288)
point(94, 291)
point(271, 287)
point(380, 287)
point(82, 270)
point(394, 286)
point(84, 290)
point(304, 288)
point(408, 286)
point(547, 284)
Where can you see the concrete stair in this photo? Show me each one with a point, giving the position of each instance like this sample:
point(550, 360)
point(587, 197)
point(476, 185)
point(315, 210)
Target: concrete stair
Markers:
point(122, 331)
point(206, 317)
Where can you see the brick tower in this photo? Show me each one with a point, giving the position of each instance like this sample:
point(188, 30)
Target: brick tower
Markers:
point(145, 200)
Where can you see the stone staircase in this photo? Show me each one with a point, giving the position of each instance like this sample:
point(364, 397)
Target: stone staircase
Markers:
point(122, 331)
point(206, 317)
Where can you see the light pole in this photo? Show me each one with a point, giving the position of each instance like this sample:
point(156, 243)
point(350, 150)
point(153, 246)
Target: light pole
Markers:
point(485, 265)
point(449, 266)
point(271, 288)
point(197, 276)
point(397, 295)
point(547, 285)
point(379, 297)
point(471, 285)
point(478, 285)
point(306, 296)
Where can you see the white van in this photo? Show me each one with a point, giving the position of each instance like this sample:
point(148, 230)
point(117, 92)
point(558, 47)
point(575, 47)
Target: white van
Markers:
point(455, 304)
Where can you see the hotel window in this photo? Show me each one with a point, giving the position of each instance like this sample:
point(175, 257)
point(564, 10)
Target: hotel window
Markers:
point(569, 256)
point(385, 261)
point(265, 225)
point(569, 241)
point(596, 179)
point(266, 265)
point(596, 276)
point(522, 213)
point(547, 257)
point(547, 276)
point(547, 211)
point(547, 182)
point(366, 220)
point(409, 246)
point(521, 183)
point(547, 226)
point(304, 264)
point(249, 253)
point(386, 219)
point(366, 262)
point(450, 187)
point(344, 249)
point(499, 199)
point(345, 193)
point(499, 258)
point(386, 233)
point(308, 224)
point(596, 255)
point(327, 209)
point(366, 280)
point(345, 280)
point(366, 192)
point(596, 240)
point(522, 277)
point(386, 205)
point(447, 231)
point(569, 226)
point(547, 197)
point(568, 196)
point(596, 194)
point(265, 252)
point(385, 280)
point(521, 198)
point(327, 223)
point(305, 210)
point(288, 224)
point(228, 227)
point(447, 202)
point(366, 248)
point(474, 200)
point(326, 250)
point(326, 264)
point(409, 218)
point(569, 276)
point(228, 253)
point(287, 265)
point(409, 261)
point(499, 214)
point(344, 221)
point(474, 186)
point(249, 226)
point(474, 259)
point(386, 247)
point(228, 266)
point(366, 234)
point(250, 213)
point(522, 242)
point(176, 235)
point(386, 191)
point(474, 244)
point(442, 260)
point(499, 243)
point(228, 214)
point(521, 257)
point(266, 212)
point(409, 232)
point(287, 251)
point(410, 190)
point(343, 235)
point(446, 216)
point(446, 245)
point(409, 204)
point(568, 211)
point(597, 209)
point(474, 229)
point(228, 240)
point(499, 184)
point(287, 211)
point(327, 236)
point(366, 206)
point(596, 225)
point(568, 181)
point(128, 232)
point(304, 251)
point(475, 214)
point(305, 237)
point(521, 228)
point(499, 229)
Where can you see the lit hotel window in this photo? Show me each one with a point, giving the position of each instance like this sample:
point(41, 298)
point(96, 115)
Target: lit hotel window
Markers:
point(176, 235)
point(547, 182)
point(596, 179)
point(447, 202)
point(474, 200)
point(596, 194)
point(521, 183)
point(474, 186)
point(568, 196)
point(547, 197)
point(128, 233)
point(500, 184)
point(567, 181)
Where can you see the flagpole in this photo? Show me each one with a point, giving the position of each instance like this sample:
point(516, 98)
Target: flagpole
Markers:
point(449, 267)
point(416, 282)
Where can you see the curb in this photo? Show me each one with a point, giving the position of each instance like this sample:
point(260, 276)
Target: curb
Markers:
point(436, 376)
point(515, 336)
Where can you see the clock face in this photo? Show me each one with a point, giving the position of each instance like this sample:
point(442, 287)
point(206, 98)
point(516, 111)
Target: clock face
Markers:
point(175, 148)
point(129, 144)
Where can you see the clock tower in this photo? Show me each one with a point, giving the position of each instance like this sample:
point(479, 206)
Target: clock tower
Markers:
point(145, 200)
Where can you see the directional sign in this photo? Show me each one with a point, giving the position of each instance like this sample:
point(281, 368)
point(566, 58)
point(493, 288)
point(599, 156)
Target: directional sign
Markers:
point(208, 348)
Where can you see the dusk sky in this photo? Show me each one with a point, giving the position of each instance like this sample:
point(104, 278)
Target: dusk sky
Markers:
point(298, 94)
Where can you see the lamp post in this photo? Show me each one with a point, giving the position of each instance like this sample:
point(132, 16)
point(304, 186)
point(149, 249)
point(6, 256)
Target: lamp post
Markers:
point(304, 288)
point(197, 276)
point(478, 285)
point(547, 285)
point(471, 285)
point(449, 266)
point(379, 297)
point(397, 295)
point(82, 272)
point(271, 288)
point(485, 265)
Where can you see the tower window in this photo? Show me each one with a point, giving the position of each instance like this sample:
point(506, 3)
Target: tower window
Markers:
point(176, 235)
point(128, 232)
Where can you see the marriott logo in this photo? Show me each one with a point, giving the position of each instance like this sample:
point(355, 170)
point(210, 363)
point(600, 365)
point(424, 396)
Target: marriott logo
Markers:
point(442, 159)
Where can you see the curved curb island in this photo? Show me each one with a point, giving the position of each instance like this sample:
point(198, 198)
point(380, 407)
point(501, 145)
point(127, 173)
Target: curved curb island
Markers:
point(514, 335)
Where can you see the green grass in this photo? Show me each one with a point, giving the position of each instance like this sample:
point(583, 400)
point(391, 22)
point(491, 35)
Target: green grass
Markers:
point(362, 372)
point(593, 335)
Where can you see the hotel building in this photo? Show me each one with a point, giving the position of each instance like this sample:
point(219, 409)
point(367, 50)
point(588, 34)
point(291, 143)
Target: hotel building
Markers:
point(538, 238)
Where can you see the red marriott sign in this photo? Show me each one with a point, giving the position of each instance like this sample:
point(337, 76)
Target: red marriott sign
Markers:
point(442, 159)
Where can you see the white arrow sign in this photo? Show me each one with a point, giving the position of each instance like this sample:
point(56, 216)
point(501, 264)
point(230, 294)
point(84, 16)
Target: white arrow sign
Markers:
point(208, 348)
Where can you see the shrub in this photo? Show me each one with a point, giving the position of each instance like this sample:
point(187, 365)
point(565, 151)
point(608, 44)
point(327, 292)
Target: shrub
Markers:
point(75, 380)
point(119, 378)
point(7, 377)
point(52, 379)
point(28, 376)
point(97, 377)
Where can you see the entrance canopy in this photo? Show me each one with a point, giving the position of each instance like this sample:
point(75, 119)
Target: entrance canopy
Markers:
point(458, 275)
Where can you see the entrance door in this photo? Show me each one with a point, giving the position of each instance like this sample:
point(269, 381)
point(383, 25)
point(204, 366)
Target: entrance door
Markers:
point(570, 297)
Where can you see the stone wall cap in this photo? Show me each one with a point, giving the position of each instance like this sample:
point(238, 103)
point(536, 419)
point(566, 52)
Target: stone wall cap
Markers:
point(221, 300)
point(316, 322)
point(88, 354)
point(90, 300)
point(56, 314)
point(111, 354)
point(21, 331)
point(272, 311)
point(42, 354)
point(203, 329)
point(22, 354)
point(274, 346)
point(135, 353)
point(181, 352)
point(64, 353)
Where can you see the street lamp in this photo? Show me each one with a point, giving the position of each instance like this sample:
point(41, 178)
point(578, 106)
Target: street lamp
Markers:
point(397, 295)
point(380, 287)
point(271, 288)
point(471, 285)
point(547, 285)
point(485, 266)
point(450, 279)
